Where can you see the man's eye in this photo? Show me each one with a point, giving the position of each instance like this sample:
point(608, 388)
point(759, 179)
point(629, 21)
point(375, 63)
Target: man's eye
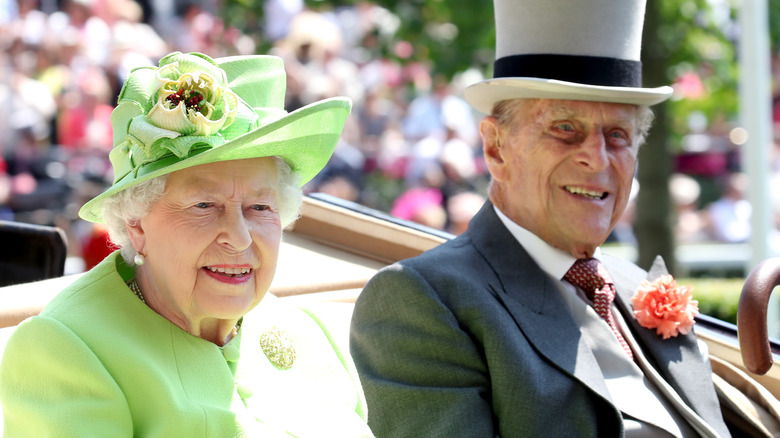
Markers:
point(261, 207)
point(619, 135)
point(616, 134)
point(203, 205)
point(568, 127)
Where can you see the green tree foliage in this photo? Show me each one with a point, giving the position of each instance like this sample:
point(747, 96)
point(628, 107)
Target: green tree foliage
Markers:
point(700, 42)
point(246, 15)
point(774, 25)
point(451, 35)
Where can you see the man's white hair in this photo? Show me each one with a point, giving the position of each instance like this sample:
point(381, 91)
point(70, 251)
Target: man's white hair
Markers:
point(130, 205)
point(505, 111)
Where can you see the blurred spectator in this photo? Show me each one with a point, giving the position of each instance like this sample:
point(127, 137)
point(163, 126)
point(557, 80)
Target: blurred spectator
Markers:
point(94, 34)
point(85, 118)
point(278, 14)
point(95, 246)
point(421, 205)
point(432, 114)
point(729, 216)
point(340, 186)
point(461, 208)
point(6, 213)
point(459, 163)
point(29, 106)
point(690, 225)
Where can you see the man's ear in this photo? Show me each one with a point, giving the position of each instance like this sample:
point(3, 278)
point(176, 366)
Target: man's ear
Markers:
point(491, 147)
point(137, 235)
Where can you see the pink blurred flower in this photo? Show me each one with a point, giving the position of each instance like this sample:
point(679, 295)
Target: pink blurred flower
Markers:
point(689, 86)
point(664, 306)
point(403, 49)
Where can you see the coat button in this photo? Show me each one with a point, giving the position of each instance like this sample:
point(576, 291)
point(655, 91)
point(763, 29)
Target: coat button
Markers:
point(243, 391)
point(231, 353)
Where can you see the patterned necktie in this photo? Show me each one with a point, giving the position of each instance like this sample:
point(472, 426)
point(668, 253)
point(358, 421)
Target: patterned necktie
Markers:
point(591, 276)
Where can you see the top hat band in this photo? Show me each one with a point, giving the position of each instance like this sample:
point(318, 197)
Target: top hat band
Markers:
point(591, 70)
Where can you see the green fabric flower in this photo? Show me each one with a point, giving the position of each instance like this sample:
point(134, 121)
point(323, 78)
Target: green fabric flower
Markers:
point(182, 105)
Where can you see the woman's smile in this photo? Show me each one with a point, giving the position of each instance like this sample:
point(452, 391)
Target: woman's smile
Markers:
point(230, 274)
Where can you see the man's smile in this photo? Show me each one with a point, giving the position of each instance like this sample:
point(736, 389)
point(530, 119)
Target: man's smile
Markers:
point(587, 193)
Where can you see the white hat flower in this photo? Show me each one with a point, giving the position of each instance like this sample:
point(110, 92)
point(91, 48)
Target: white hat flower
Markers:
point(182, 104)
point(191, 103)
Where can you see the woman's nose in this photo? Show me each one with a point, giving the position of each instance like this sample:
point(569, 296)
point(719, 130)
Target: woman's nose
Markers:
point(234, 231)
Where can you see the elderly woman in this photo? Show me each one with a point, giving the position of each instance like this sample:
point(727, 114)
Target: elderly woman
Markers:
point(168, 337)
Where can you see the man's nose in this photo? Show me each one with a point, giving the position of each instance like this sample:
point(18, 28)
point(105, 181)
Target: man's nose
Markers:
point(593, 152)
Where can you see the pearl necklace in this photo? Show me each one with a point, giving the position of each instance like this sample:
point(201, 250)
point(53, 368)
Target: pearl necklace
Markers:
point(136, 290)
point(133, 285)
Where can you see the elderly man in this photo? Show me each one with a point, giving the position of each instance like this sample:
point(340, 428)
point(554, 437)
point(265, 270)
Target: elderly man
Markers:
point(511, 329)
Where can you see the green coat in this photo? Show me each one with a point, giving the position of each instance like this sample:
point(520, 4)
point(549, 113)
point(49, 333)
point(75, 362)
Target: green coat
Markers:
point(99, 362)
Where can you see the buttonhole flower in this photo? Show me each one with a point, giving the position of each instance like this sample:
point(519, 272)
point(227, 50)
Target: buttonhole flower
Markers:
point(665, 307)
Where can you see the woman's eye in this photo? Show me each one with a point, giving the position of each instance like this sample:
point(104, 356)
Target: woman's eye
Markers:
point(203, 204)
point(261, 207)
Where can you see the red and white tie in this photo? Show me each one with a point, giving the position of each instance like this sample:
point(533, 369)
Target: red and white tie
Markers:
point(591, 276)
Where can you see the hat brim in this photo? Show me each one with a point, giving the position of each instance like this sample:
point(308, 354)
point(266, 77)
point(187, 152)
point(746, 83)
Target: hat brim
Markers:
point(483, 95)
point(304, 138)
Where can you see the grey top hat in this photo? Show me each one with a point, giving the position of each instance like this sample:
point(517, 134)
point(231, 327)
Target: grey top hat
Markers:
point(560, 49)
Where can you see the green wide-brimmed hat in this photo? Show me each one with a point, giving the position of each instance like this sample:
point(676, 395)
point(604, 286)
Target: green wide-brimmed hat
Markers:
point(194, 110)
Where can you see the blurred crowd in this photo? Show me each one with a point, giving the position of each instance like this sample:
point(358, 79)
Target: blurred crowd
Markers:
point(710, 188)
point(410, 147)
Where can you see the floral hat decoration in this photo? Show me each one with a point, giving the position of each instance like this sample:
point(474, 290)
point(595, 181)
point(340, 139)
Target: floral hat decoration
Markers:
point(194, 110)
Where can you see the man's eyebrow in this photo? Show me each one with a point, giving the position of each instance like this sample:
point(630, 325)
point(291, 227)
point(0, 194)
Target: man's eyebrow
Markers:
point(565, 111)
point(561, 110)
point(625, 122)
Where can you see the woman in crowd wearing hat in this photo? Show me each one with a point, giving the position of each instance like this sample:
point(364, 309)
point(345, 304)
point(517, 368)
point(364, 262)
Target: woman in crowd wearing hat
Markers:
point(168, 337)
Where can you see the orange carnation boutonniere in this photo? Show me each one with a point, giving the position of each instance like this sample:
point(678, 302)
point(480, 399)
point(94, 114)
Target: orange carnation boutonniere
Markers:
point(665, 307)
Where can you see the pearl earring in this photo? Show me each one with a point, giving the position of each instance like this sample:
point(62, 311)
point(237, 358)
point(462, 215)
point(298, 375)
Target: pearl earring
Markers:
point(139, 259)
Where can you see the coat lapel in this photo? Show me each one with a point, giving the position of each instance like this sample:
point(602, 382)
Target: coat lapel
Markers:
point(534, 301)
point(677, 359)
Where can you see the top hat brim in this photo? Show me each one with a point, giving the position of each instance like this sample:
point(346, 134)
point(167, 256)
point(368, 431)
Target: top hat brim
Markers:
point(485, 94)
point(304, 139)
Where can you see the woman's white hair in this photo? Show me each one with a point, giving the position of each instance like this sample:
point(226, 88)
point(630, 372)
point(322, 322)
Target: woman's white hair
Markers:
point(130, 205)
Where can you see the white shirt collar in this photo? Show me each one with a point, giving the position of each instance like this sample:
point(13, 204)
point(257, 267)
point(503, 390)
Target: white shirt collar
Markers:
point(552, 260)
